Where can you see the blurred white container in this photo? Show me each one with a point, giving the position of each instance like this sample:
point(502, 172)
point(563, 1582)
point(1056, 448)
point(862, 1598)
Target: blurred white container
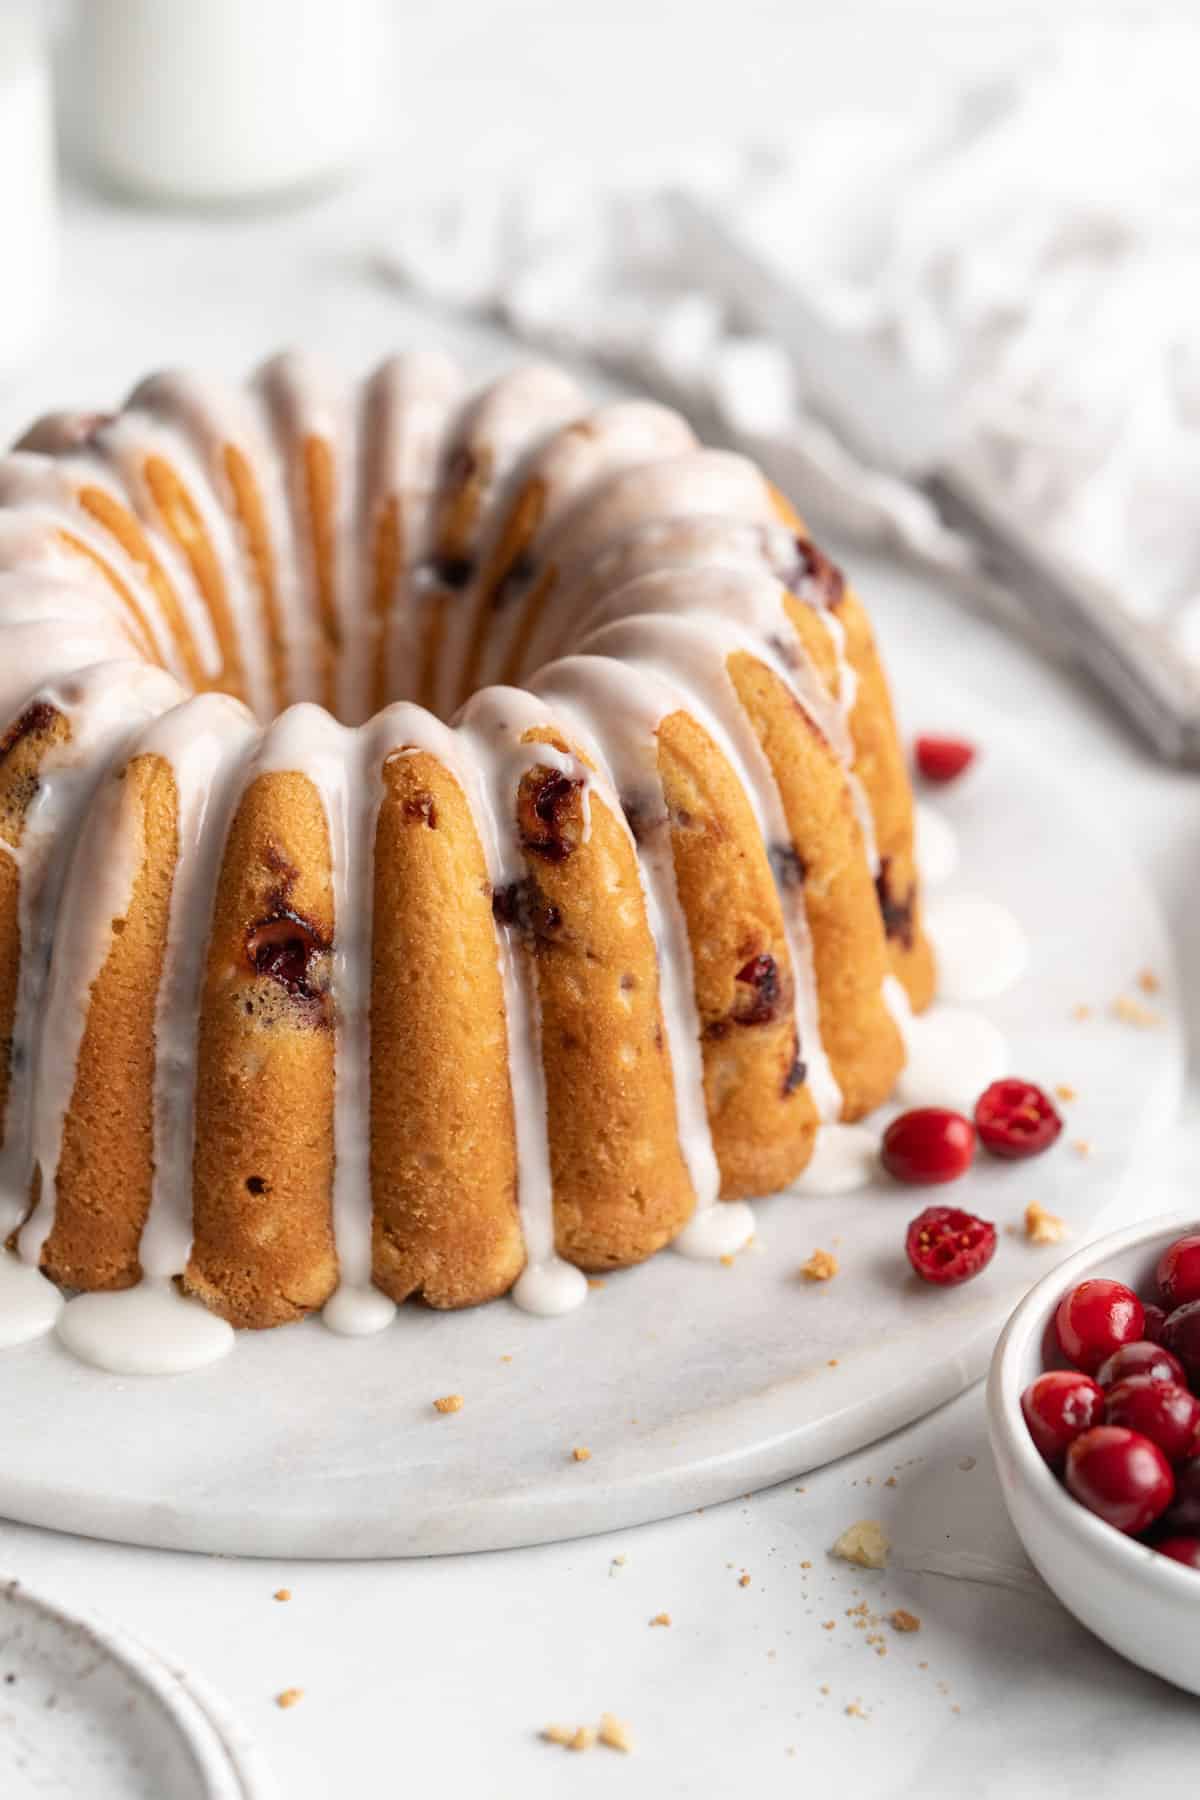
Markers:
point(27, 234)
point(223, 100)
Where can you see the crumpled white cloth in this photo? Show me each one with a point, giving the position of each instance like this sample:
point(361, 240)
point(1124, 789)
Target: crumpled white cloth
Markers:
point(1033, 247)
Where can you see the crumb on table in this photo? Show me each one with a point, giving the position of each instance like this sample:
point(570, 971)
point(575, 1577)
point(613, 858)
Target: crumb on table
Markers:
point(289, 1697)
point(581, 1453)
point(282, 1594)
point(903, 1620)
point(662, 1618)
point(614, 1733)
point(1065, 1092)
point(863, 1543)
point(1042, 1227)
point(1132, 1012)
point(449, 1403)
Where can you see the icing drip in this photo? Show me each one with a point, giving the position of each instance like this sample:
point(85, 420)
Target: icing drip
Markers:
point(358, 1311)
point(953, 1055)
point(844, 1159)
point(716, 1231)
point(150, 1329)
point(980, 947)
point(936, 846)
point(29, 1304)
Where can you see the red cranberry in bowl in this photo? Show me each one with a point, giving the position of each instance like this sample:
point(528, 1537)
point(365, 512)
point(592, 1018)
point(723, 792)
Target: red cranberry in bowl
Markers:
point(1181, 1335)
point(1014, 1119)
point(1184, 1516)
point(1057, 1407)
point(947, 1246)
point(943, 759)
point(1169, 1415)
point(1141, 1358)
point(1120, 1476)
point(1095, 1319)
point(928, 1146)
point(1156, 1318)
point(1178, 1271)
point(1184, 1550)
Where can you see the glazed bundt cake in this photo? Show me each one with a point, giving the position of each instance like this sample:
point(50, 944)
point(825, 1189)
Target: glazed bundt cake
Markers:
point(448, 839)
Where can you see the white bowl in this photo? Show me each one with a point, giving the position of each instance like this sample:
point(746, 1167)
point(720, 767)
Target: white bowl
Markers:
point(1143, 1605)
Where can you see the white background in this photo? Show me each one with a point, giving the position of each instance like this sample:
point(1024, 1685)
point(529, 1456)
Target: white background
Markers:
point(439, 1675)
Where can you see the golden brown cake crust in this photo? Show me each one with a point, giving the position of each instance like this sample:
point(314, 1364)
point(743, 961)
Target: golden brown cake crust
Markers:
point(106, 1168)
point(443, 1146)
point(264, 1157)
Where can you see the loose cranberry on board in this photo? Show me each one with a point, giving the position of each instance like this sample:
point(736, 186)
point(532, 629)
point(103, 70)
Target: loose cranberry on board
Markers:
point(1095, 1319)
point(1015, 1119)
point(1178, 1272)
point(1058, 1406)
point(1163, 1411)
point(1145, 1357)
point(947, 1246)
point(943, 759)
point(1120, 1476)
point(928, 1146)
point(1184, 1550)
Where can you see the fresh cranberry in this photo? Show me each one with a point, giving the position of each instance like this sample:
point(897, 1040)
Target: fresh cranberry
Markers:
point(1181, 1334)
point(1178, 1272)
point(1184, 1516)
point(1156, 1319)
point(1142, 1358)
point(928, 1146)
point(1058, 1406)
point(1015, 1119)
point(1095, 1319)
point(946, 1245)
point(1121, 1476)
point(943, 759)
point(1169, 1415)
point(1184, 1550)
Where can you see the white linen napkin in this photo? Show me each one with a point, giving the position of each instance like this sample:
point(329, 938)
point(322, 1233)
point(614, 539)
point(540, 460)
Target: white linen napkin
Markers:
point(1032, 247)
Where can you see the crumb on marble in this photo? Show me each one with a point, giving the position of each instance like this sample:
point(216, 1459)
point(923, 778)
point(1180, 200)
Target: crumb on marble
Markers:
point(863, 1543)
point(1064, 1092)
point(743, 1579)
point(728, 1260)
point(904, 1621)
point(855, 1710)
point(570, 1737)
point(1148, 981)
point(449, 1403)
point(822, 1265)
point(662, 1618)
point(282, 1594)
point(1081, 1012)
point(1042, 1227)
point(614, 1733)
point(581, 1453)
point(289, 1697)
point(1132, 1012)
point(1082, 1147)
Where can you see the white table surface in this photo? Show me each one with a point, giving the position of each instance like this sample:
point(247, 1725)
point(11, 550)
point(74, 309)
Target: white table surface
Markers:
point(444, 1672)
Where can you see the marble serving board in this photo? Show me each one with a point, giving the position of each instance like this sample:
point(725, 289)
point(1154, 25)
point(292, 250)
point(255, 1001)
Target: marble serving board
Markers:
point(686, 1383)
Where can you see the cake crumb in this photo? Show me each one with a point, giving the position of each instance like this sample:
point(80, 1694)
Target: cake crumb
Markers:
point(806, 1565)
point(282, 1594)
point(581, 1453)
point(855, 1710)
point(1065, 1093)
point(727, 1261)
point(824, 1687)
point(903, 1620)
point(743, 1580)
point(828, 1624)
point(289, 1697)
point(1042, 1227)
point(663, 1618)
point(1148, 981)
point(506, 1359)
point(1132, 1012)
point(1081, 1012)
point(1082, 1147)
point(571, 1737)
point(821, 1266)
point(618, 1562)
point(891, 1482)
point(596, 1281)
point(449, 1403)
point(863, 1543)
point(614, 1733)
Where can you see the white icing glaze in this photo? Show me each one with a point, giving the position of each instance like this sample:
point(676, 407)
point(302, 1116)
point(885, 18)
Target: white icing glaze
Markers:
point(550, 1288)
point(936, 845)
point(844, 1159)
point(953, 1055)
point(715, 1232)
point(150, 1329)
point(981, 949)
point(357, 1311)
point(29, 1304)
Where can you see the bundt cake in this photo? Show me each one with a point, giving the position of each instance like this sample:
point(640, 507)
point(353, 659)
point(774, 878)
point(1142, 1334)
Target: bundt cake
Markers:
point(448, 840)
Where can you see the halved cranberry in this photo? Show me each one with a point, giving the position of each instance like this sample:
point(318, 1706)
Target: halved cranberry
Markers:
point(947, 1246)
point(1184, 1550)
point(1095, 1319)
point(1178, 1272)
point(943, 758)
point(927, 1146)
point(1120, 1476)
point(1141, 1358)
point(284, 949)
point(1181, 1335)
point(759, 1001)
point(1016, 1119)
point(1163, 1411)
point(1057, 1407)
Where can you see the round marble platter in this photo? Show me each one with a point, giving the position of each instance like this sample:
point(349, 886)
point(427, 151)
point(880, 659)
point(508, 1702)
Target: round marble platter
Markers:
point(687, 1383)
point(85, 1709)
